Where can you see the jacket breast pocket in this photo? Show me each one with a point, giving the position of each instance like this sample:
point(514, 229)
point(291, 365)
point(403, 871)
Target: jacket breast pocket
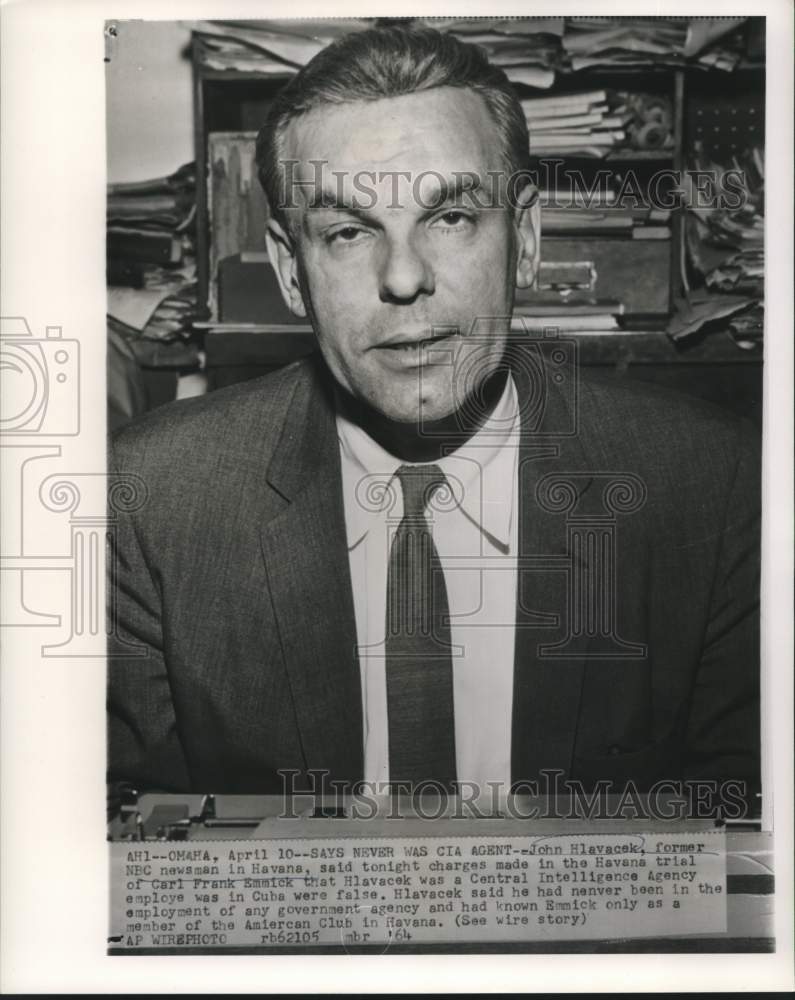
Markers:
point(640, 766)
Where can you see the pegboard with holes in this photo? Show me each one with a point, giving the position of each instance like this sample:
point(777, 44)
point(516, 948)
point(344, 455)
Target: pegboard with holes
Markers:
point(727, 116)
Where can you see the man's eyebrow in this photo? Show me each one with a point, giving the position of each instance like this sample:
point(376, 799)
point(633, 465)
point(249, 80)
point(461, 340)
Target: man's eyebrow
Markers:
point(331, 200)
point(447, 191)
point(450, 190)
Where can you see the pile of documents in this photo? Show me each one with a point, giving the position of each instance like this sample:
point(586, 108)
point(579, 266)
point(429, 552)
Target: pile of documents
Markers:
point(581, 124)
point(149, 224)
point(716, 42)
point(274, 47)
point(726, 245)
point(638, 42)
point(703, 311)
point(531, 50)
point(528, 49)
point(151, 265)
point(151, 313)
point(597, 122)
point(637, 223)
point(622, 42)
point(581, 313)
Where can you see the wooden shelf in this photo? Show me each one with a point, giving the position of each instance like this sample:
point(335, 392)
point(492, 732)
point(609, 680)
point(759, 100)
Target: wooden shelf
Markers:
point(711, 366)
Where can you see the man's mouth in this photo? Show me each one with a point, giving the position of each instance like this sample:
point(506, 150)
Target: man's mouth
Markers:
point(409, 344)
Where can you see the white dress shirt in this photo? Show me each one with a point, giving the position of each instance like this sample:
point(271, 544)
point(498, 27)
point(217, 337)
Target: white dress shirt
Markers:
point(476, 537)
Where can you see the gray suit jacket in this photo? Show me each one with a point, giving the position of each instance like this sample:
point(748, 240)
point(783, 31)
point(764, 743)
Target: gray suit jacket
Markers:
point(234, 648)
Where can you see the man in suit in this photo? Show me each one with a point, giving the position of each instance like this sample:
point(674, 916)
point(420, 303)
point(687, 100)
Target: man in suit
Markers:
point(432, 552)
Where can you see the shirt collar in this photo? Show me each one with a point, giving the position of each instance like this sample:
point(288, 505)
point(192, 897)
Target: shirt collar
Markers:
point(481, 474)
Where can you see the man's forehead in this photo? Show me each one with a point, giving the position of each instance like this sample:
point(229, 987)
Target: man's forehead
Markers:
point(445, 129)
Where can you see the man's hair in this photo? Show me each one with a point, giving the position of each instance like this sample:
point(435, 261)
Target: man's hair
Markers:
point(386, 62)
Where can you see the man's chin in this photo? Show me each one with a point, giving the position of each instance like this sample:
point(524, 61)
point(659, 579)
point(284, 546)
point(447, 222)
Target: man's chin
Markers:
point(418, 413)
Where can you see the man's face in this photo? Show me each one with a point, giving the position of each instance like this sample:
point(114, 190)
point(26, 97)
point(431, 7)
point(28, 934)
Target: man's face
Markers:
point(394, 269)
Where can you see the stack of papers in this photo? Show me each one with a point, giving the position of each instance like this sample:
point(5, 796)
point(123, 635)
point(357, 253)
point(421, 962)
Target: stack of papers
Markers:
point(151, 256)
point(161, 203)
point(151, 312)
point(597, 122)
point(528, 49)
point(150, 223)
point(715, 41)
point(703, 311)
point(642, 223)
point(726, 245)
point(531, 50)
point(625, 42)
point(638, 42)
point(575, 124)
point(270, 47)
point(597, 211)
point(535, 311)
point(744, 271)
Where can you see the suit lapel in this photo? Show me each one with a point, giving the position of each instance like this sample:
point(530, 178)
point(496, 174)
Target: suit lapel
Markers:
point(547, 688)
point(306, 559)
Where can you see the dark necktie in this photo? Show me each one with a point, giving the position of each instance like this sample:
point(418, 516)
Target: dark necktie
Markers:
point(419, 667)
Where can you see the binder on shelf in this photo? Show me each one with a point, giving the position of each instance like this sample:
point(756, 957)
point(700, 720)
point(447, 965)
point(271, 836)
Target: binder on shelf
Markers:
point(140, 245)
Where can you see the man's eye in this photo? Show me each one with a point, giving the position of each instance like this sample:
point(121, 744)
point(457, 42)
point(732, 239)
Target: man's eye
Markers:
point(347, 234)
point(453, 218)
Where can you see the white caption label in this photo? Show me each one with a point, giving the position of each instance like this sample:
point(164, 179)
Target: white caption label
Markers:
point(379, 891)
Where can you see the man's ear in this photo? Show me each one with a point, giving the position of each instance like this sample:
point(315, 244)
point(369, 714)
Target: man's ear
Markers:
point(282, 255)
point(527, 220)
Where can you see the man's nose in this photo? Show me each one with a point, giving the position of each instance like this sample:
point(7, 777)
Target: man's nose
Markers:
point(405, 271)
